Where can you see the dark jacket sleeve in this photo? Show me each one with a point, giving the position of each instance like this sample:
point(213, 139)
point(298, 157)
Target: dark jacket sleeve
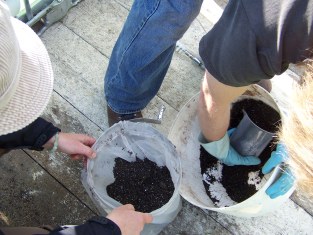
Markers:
point(97, 225)
point(255, 40)
point(33, 136)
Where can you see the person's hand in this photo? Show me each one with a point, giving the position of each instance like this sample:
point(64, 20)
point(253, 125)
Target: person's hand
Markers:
point(222, 150)
point(128, 220)
point(75, 145)
point(286, 180)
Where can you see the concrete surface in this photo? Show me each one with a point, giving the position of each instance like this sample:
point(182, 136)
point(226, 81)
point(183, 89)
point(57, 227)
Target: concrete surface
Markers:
point(41, 189)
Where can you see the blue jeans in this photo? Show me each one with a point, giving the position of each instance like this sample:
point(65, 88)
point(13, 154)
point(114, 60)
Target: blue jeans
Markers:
point(143, 51)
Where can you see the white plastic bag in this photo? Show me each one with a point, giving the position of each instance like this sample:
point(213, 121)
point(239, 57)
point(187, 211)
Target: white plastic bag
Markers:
point(129, 140)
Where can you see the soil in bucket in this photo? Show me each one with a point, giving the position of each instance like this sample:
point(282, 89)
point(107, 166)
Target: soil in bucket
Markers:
point(141, 183)
point(228, 185)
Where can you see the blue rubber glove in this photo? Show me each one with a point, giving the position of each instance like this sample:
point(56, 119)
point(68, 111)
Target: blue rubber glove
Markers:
point(222, 150)
point(286, 180)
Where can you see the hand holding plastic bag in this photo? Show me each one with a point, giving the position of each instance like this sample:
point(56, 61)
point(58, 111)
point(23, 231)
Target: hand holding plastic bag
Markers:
point(128, 220)
point(286, 180)
point(222, 150)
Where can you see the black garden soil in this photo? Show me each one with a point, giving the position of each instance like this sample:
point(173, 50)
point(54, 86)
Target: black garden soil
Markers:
point(141, 183)
point(235, 178)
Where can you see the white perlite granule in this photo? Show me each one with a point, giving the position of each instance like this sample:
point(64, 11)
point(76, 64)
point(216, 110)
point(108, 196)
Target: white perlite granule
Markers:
point(255, 179)
point(213, 177)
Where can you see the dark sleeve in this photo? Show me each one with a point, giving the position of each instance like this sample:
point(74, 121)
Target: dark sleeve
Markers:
point(33, 136)
point(255, 40)
point(97, 225)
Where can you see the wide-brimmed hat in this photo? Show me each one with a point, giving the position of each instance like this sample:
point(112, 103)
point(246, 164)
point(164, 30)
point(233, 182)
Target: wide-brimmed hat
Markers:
point(26, 78)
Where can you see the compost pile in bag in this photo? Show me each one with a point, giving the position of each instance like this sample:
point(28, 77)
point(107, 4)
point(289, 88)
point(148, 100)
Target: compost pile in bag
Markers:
point(141, 183)
point(228, 185)
point(135, 164)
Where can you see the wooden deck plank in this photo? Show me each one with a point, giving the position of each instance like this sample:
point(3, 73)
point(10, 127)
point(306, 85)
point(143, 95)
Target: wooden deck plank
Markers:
point(193, 221)
point(78, 72)
point(97, 22)
point(31, 197)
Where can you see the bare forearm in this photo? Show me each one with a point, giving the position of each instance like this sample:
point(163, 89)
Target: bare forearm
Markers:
point(213, 118)
point(214, 107)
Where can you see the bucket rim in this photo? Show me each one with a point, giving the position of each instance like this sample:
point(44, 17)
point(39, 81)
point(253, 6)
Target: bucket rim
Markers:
point(176, 194)
point(269, 177)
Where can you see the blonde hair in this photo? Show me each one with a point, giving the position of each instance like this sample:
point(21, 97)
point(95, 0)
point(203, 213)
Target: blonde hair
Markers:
point(297, 133)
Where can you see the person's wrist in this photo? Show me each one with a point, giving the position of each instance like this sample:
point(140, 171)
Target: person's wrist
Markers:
point(219, 148)
point(115, 224)
point(52, 142)
point(49, 143)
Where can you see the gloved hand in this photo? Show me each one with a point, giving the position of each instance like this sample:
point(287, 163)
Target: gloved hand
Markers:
point(222, 150)
point(286, 180)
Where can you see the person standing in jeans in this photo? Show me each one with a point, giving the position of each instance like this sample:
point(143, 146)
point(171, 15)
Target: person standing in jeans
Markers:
point(26, 83)
point(253, 41)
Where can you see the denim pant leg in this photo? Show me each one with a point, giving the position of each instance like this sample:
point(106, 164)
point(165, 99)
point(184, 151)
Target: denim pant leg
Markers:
point(143, 51)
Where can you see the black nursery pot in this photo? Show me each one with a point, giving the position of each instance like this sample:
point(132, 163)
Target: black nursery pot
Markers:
point(249, 139)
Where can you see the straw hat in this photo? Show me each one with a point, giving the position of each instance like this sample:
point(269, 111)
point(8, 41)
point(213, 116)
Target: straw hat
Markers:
point(26, 78)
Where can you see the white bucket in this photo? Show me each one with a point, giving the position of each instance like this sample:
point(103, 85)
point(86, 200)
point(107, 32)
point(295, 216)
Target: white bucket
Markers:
point(129, 140)
point(184, 135)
